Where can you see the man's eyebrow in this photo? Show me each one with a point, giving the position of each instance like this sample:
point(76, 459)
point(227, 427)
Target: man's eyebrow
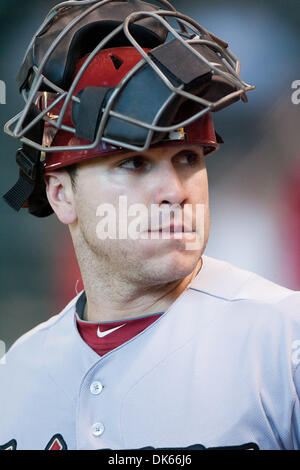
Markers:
point(146, 154)
point(185, 151)
point(108, 158)
point(180, 152)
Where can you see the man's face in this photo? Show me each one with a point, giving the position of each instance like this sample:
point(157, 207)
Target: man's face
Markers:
point(158, 180)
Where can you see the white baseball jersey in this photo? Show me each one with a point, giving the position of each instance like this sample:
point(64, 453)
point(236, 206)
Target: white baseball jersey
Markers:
point(219, 368)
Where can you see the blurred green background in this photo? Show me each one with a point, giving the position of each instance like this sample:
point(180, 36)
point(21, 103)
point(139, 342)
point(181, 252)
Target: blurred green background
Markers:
point(253, 178)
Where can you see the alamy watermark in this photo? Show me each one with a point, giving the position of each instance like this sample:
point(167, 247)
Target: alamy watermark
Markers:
point(2, 92)
point(2, 353)
point(296, 94)
point(159, 222)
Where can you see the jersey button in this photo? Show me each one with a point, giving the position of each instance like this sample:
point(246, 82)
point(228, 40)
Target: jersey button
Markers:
point(97, 429)
point(96, 388)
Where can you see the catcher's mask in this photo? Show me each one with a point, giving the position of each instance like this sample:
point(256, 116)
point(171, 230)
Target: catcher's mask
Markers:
point(109, 76)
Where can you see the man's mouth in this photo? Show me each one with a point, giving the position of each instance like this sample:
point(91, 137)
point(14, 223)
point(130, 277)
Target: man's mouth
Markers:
point(172, 229)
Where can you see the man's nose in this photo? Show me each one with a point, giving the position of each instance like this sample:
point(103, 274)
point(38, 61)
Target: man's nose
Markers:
point(170, 187)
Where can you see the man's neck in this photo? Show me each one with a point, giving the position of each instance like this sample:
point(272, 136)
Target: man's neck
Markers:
point(115, 300)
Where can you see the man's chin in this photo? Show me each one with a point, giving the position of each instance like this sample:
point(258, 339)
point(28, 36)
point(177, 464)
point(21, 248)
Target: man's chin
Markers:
point(173, 266)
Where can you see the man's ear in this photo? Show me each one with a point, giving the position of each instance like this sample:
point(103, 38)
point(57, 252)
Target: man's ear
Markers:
point(60, 196)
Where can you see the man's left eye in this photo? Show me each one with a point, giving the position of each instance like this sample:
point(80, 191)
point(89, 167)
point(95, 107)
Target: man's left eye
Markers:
point(190, 159)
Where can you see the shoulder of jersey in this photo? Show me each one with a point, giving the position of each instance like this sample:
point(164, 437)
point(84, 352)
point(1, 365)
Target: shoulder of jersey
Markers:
point(224, 280)
point(35, 337)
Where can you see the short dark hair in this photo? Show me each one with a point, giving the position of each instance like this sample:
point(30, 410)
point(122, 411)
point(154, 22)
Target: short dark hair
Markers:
point(72, 172)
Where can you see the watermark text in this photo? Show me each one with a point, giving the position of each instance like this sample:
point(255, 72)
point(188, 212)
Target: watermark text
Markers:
point(296, 94)
point(2, 92)
point(157, 222)
point(2, 353)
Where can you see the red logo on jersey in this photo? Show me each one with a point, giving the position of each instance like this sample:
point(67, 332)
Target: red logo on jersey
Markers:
point(57, 442)
point(11, 445)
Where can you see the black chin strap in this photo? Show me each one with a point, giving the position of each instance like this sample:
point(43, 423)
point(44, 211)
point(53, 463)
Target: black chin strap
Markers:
point(30, 186)
point(24, 187)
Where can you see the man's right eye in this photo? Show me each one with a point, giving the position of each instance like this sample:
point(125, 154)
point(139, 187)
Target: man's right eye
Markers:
point(136, 163)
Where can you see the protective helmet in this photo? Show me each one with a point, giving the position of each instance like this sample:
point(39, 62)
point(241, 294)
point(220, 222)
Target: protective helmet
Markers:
point(110, 76)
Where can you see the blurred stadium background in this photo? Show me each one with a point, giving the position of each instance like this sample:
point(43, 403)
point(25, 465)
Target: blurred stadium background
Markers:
point(254, 178)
